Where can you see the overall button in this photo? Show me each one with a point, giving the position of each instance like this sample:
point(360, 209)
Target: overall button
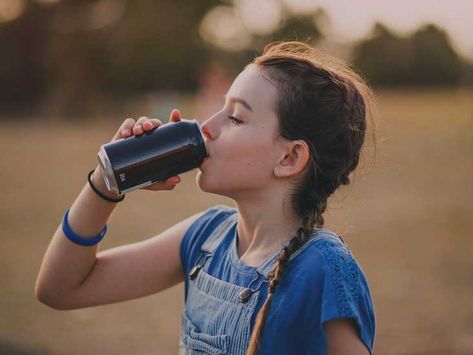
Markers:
point(245, 295)
point(194, 271)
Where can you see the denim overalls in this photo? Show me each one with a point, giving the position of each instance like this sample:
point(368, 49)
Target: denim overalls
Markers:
point(217, 314)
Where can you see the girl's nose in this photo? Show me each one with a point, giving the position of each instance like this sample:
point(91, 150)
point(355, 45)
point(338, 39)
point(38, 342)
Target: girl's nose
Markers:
point(205, 131)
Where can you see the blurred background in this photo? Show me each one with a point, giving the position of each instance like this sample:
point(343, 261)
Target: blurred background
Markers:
point(72, 70)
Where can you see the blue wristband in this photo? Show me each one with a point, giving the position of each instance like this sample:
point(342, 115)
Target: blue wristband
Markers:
point(77, 239)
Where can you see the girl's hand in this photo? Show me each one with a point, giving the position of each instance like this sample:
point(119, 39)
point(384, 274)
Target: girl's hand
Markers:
point(144, 124)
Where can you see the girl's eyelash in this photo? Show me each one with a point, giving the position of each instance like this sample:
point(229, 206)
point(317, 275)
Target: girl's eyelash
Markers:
point(236, 120)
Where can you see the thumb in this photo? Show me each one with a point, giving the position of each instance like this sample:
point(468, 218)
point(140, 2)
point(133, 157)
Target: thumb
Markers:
point(175, 115)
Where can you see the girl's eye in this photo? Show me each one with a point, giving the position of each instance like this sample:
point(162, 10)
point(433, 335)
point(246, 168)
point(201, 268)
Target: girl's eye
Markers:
point(235, 120)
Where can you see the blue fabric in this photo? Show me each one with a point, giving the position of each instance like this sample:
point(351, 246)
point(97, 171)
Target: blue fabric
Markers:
point(322, 282)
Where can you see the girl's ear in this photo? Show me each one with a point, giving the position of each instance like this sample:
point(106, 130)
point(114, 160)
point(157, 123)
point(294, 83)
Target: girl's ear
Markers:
point(295, 159)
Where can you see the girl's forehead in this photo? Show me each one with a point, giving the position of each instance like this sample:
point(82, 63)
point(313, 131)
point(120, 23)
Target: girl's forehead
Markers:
point(252, 86)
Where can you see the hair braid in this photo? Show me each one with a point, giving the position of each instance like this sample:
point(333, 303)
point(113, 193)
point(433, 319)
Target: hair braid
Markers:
point(275, 276)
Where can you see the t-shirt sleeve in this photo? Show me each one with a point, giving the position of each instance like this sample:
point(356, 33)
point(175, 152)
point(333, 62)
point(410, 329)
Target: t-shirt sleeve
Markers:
point(345, 291)
point(198, 232)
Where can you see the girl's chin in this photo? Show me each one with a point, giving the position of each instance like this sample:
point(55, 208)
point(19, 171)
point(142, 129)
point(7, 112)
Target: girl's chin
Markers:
point(200, 181)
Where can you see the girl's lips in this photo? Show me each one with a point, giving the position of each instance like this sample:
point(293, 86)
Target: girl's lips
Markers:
point(205, 159)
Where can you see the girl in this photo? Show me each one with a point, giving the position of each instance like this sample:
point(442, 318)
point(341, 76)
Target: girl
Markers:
point(264, 277)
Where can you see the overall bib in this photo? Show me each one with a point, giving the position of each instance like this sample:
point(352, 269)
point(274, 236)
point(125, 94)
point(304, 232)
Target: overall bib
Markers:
point(217, 315)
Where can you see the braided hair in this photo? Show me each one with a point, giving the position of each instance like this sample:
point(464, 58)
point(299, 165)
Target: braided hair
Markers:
point(324, 102)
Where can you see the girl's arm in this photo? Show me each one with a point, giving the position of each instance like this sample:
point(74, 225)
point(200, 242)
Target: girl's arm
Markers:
point(74, 276)
point(343, 338)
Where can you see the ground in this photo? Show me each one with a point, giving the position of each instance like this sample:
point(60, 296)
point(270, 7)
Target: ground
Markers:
point(406, 216)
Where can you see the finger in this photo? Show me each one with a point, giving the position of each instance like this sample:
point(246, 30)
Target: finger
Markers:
point(142, 119)
point(168, 184)
point(152, 123)
point(173, 180)
point(160, 187)
point(175, 115)
point(138, 127)
point(124, 130)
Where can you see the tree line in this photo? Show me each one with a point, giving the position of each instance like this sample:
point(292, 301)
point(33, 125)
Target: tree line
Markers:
point(67, 54)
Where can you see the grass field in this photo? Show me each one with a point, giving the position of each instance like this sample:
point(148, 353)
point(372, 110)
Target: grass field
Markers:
point(407, 217)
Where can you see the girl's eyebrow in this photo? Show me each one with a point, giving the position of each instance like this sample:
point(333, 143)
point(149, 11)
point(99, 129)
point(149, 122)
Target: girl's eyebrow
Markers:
point(240, 101)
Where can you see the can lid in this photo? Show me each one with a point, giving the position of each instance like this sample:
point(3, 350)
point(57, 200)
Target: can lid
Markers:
point(107, 170)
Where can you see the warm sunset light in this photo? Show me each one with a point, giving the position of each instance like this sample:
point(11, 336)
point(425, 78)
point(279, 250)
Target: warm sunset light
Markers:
point(11, 9)
point(285, 177)
point(251, 12)
point(223, 27)
point(354, 19)
point(47, 2)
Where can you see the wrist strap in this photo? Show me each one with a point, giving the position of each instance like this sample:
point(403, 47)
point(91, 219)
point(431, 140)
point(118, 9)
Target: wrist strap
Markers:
point(110, 199)
point(77, 239)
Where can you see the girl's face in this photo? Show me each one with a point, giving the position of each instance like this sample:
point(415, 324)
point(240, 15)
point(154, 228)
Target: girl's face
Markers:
point(242, 138)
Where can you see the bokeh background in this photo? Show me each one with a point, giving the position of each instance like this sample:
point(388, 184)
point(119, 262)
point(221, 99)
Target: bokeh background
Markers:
point(72, 70)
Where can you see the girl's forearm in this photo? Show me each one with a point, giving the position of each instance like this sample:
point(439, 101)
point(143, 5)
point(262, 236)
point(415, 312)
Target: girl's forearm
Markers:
point(65, 264)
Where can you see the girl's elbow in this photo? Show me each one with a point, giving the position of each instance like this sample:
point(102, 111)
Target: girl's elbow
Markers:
point(49, 298)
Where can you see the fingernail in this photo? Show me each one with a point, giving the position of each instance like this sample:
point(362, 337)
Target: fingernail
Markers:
point(174, 180)
point(126, 132)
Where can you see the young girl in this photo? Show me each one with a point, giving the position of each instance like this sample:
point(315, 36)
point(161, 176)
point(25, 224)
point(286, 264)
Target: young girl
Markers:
point(264, 277)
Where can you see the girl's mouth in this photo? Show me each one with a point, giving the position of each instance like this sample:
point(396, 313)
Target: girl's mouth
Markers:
point(205, 159)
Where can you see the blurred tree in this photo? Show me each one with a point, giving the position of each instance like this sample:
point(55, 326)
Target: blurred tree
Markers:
point(72, 56)
point(384, 50)
point(425, 57)
point(78, 53)
point(306, 27)
point(301, 28)
point(156, 46)
point(148, 48)
point(23, 79)
point(434, 59)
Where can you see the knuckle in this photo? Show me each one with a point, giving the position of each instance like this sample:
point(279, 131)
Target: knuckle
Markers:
point(142, 119)
point(128, 124)
point(129, 121)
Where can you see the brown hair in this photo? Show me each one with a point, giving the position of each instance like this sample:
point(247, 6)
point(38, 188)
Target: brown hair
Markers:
point(324, 102)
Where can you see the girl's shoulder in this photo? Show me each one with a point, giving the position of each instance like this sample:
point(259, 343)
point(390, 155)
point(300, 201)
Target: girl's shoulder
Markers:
point(328, 255)
point(330, 272)
point(327, 249)
point(211, 218)
point(200, 230)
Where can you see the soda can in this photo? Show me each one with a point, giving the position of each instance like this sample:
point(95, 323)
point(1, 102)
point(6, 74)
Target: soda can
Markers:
point(138, 161)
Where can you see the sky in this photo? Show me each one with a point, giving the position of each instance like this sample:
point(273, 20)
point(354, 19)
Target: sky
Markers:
point(353, 19)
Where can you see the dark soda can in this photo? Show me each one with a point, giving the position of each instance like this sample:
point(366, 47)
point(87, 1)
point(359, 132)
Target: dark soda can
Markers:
point(138, 161)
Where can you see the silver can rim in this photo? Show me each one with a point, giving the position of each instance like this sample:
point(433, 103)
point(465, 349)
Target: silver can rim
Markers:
point(108, 175)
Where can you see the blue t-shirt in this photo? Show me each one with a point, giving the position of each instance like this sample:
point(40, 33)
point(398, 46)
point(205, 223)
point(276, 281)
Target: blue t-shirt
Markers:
point(323, 282)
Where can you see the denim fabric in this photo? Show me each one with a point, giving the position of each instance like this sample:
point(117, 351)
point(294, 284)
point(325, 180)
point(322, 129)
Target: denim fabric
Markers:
point(322, 281)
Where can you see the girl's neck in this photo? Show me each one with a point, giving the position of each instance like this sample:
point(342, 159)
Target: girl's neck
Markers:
point(261, 229)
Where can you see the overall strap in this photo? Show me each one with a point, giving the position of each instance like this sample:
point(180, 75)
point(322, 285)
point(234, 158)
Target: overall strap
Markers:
point(211, 243)
point(218, 234)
